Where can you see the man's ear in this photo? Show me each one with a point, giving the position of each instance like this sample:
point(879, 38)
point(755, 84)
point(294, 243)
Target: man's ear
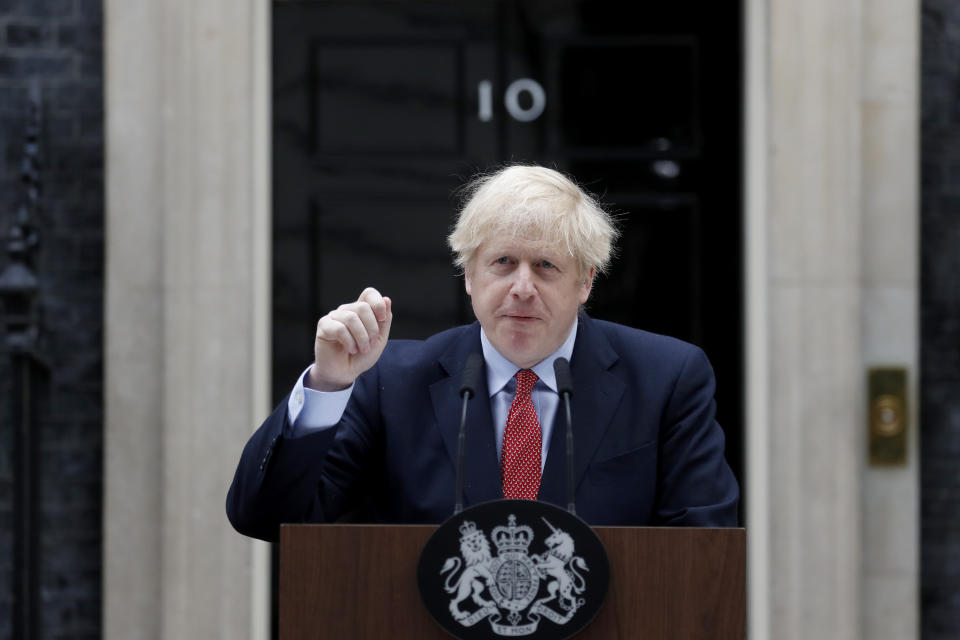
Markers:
point(466, 281)
point(587, 286)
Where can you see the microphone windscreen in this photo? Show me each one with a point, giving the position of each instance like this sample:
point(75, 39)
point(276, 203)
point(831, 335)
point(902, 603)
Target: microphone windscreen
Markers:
point(471, 374)
point(561, 368)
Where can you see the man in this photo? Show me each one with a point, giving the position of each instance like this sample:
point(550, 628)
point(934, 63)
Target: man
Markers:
point(375, 422)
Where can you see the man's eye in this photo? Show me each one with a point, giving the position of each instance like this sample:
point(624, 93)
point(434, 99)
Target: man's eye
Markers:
point(546, 264)
point(502, 260)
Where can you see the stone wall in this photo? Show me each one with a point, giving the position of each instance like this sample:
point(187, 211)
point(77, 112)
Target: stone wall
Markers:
point(52, 49)
point(940, 320)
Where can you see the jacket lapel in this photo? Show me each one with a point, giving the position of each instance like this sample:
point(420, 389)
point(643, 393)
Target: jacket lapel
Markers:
point(596, 395)
point(480, 465)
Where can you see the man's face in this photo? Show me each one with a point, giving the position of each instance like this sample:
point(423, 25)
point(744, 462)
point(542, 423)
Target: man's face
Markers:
point(526, 295)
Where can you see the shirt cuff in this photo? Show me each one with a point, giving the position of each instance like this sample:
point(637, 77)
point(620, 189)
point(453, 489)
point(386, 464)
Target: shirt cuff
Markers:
point(309, 410)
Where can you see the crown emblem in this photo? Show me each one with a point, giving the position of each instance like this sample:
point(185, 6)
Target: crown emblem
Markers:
point(468, 530)
point(512, 538)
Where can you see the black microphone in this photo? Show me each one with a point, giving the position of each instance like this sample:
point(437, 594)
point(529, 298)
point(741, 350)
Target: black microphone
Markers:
point(561, 368)
point(468, 388)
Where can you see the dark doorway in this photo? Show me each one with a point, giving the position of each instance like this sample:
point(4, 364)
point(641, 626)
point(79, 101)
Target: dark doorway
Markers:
point(382, 110)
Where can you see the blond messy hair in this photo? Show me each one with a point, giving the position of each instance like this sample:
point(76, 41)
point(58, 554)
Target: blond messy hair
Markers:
point(538, 204)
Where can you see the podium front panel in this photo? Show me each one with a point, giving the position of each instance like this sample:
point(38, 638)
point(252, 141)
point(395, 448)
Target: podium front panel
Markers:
point(359, 581)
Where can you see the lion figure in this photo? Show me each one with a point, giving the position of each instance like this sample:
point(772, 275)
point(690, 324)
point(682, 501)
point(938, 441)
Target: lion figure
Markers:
point(476, 576)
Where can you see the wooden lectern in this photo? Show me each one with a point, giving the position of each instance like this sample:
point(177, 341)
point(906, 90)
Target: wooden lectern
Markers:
point(359, 581)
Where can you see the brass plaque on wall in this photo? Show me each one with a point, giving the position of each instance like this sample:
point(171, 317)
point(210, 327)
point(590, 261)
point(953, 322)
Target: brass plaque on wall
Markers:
point(887, 418)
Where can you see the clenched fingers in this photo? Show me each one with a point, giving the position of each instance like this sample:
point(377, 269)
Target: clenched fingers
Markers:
point(357, 326)
point(377, 303)
point(361, 325)
point(346, 328)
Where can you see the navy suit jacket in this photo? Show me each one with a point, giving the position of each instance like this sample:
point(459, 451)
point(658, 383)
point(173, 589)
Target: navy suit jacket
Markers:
point(647, 448)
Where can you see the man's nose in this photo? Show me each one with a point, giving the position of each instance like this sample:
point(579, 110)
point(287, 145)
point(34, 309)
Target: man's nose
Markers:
point(522, 286)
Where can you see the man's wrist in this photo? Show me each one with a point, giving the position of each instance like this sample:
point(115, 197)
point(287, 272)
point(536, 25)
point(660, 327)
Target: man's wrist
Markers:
point(309, 409)
point(314, 381)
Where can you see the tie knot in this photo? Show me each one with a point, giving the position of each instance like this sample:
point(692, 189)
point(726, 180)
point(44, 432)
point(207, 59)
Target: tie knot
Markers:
point(526, 378)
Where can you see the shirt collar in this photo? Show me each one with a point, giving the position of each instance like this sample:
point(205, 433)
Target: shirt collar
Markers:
point(500, 370)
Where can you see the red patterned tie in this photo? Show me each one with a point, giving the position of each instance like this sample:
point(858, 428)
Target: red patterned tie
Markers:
point(522, 444)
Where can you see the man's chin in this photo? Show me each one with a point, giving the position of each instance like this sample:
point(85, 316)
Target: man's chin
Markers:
point(521, 350)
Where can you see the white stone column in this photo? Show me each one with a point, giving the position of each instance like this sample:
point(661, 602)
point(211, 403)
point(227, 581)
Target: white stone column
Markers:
point(890, 306)
point(187, 312)
point(133, 318)
point(807, 268)
point(831, 192)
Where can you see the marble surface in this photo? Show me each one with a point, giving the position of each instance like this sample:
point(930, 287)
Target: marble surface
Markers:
point(187, 355)
point(840, 291)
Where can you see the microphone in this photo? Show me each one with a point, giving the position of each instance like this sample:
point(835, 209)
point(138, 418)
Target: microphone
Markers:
point(561, 368)
point(468, 388)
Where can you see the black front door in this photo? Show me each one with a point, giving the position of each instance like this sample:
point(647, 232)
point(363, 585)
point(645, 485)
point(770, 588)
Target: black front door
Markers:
point(381, 110)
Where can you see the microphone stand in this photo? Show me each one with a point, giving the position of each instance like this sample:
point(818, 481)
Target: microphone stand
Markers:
point(561, 367)
point(471, 377)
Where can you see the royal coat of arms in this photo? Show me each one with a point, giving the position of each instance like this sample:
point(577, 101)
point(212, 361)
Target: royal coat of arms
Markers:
point(514, 590)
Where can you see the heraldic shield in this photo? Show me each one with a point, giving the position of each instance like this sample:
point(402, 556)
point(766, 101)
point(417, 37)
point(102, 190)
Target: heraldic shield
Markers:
point(513, 568)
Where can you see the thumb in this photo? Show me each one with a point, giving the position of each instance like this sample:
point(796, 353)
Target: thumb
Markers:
point(388, 318)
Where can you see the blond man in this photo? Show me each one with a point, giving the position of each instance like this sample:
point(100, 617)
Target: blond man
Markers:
point(374, 421)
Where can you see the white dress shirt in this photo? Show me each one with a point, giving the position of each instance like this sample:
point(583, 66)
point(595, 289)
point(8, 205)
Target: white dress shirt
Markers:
point(310, 411)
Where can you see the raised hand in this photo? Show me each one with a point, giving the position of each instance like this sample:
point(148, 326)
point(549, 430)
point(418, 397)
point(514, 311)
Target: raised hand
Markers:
point(349, 341)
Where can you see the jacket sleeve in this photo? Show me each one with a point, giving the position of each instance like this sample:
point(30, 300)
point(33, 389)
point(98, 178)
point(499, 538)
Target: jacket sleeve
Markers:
point(697, 487)
point(312, 478)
